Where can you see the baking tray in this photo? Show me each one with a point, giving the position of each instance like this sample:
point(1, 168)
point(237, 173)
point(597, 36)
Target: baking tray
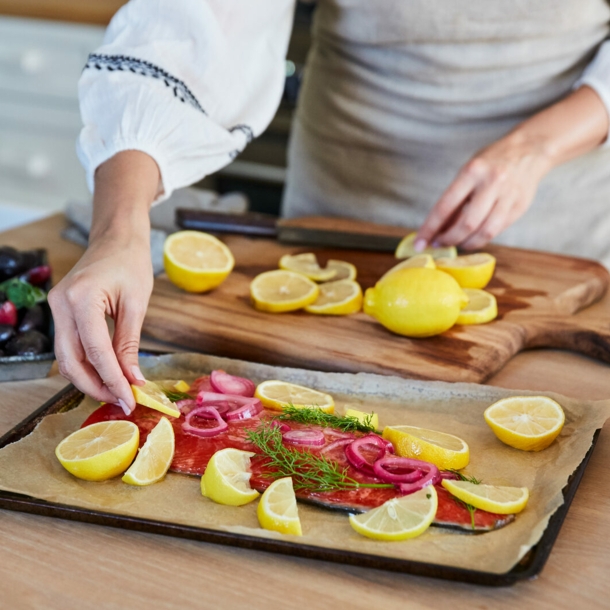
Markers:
point(529, 567)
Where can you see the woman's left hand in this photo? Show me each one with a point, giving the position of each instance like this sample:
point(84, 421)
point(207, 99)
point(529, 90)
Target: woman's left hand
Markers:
point(489, 193)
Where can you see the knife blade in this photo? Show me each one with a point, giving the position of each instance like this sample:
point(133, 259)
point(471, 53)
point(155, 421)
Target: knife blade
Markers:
point(313, 231)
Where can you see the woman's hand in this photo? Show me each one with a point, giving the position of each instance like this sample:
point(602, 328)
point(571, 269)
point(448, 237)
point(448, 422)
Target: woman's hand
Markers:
point(113, 278)
point(499, 183)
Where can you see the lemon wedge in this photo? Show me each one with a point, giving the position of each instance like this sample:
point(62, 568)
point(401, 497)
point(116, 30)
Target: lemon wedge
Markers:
point(277, 509)
point(399, 518)
point(419, 260)
point(278, 395)
point(369, 419)
point(492, 498)
point(278, 291)
point(529, 423)
point(226, 479)
point(470, 271)
point(406, 249)
point(343, 270)
point(306, 264)
point(337, 299)
point(195, 261)
point(482, 307)
point(155, 456)
point(443, 450)
point(173, 385)
point(152, 396)
point(100, 451)
point(416, 302)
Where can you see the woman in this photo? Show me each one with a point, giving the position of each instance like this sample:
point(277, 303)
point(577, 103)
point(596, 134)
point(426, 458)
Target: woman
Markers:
point(455, 115)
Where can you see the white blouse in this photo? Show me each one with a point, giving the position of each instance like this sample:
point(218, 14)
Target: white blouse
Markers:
point(191, 82)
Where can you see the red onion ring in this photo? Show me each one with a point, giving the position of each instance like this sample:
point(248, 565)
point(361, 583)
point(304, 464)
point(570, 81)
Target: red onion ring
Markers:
point(232, 407)
point(358, 461)
point(186, 405)
point(201, 384)
point(338, 443)
point(451, 476)
point(204, 432)
point(281, 425)
point(416, 469)
point(246, 411)
point(229, 384)
point(314, 438)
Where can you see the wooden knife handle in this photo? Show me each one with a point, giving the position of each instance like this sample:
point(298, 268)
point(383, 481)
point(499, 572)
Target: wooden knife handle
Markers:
point(250, 223)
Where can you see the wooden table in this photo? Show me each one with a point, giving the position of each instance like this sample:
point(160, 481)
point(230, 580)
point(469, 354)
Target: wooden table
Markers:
point(48, 563)
point(98, 12)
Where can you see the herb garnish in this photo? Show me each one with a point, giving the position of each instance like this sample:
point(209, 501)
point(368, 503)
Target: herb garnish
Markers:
point(313, 415)
point(175, 396)
point(470, 479)
point(22, 294)
point(308, 471)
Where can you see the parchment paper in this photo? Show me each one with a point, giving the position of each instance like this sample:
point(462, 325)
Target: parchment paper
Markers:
point(30, 467)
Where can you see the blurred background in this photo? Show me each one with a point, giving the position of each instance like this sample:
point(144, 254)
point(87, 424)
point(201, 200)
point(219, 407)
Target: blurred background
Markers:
point(44, 45)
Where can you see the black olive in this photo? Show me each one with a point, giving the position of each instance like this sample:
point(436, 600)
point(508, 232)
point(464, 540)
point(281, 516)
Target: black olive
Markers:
point(34, 319)
point(11, 262)
point(32, 258)
point(6, 333)
point(29, 343)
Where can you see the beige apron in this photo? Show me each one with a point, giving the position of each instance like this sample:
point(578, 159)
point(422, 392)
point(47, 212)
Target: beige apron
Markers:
point(399, 94)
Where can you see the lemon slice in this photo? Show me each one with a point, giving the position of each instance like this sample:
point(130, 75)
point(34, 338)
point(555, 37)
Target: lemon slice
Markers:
point(152, 396)
point(155, 456)
point(226, 479)
point(470, 271)
point(530, 423)
point(307, 265)
point(99, 451)
point(419, 260)
point(482, 307)
point(443, 450)
point(492, 498)
point(173, 385)
point(399, 518)
point(344, 270)
point(406, 249)
point(278, 395)
point(277, 509)
point(195, 261)
point(337, 298)
point(369, 419)
point(278, 291)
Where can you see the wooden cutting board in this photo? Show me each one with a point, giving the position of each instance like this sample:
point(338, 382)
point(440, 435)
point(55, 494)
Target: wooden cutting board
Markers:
point(537, 294)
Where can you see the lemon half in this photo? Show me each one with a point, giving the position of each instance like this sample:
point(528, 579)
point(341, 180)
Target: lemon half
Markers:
point(278, 395)
point(339, 298)
point(481, 308)
point(226, 479)
point(471, 270)
point(279, 291)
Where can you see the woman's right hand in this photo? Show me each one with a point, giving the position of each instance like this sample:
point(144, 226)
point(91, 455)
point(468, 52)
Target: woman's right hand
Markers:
point(113, 278)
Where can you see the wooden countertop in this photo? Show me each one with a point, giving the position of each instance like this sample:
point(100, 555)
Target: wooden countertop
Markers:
point(51, 563)
point(97, 12)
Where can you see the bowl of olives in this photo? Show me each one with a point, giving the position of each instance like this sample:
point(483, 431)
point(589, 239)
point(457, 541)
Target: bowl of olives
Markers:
point(26, 324)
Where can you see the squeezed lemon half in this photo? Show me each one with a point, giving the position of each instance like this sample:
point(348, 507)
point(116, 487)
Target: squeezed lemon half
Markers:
point(481, 308)
point(195, 261)
point(226, 479)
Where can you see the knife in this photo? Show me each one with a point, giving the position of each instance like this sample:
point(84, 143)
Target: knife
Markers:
point(309, 231)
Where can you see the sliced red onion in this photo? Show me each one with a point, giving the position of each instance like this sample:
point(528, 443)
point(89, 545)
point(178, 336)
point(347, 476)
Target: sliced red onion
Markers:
point(186, 405)
point(331, 432)
point(246, 411)
point(281, 425)
point(432, 478)
point(357, 460)
point(412, 470)
point(229, 384)
point(338, 443)
point(451, 476)
point(314, 438)
point(188, 427)
point(201, 384)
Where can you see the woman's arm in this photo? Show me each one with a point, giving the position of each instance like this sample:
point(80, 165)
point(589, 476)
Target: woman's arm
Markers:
point(113, 278)
point(499, 183)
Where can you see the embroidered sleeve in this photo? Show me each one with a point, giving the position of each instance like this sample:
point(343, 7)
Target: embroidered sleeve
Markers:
point(189, 82)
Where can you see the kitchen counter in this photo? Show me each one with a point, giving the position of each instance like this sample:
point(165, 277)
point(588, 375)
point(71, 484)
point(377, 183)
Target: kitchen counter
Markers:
point(96, 12)
point(51, 563)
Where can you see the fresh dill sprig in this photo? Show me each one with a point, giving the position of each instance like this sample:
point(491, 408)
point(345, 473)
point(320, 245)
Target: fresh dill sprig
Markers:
point(313, 415)
point(308, 471)
point(175, 396)
point(469, 479)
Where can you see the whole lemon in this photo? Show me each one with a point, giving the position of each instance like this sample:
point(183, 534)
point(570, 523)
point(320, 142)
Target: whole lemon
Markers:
point(416, 302)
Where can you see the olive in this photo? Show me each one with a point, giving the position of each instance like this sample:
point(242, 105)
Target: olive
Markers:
point(11, 262)
point(32, 258)
point(6, 333)
point(34, 319)
point(29, 343)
